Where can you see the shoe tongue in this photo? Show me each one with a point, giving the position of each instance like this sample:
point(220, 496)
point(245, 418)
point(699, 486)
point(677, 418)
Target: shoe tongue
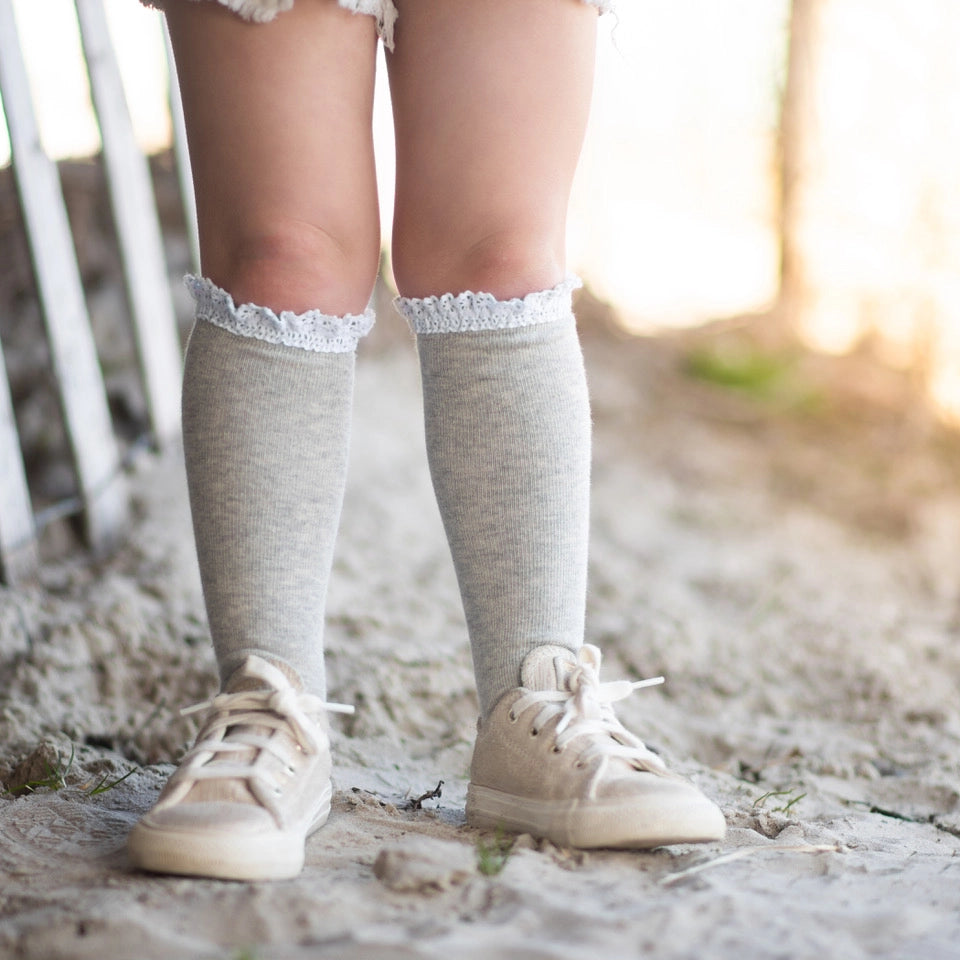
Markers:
point(248, 676)
point(547, 667)
point(244, 679)
point(238, 684)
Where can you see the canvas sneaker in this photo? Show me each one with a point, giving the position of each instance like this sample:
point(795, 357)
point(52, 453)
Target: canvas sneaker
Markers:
point(553, 760)
point(252, 788)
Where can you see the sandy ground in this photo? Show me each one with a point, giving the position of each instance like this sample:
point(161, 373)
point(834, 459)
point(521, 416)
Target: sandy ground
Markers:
point(787, 554)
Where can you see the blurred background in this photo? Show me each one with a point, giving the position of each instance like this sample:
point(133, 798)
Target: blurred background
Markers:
point(796, 160)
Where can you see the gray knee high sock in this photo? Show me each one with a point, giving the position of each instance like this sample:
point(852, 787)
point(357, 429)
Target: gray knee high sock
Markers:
point(508, 439)
point(266, 418)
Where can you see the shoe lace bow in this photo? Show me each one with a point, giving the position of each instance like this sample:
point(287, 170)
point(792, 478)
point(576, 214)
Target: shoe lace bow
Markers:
point(584, 709)
point(242, 723)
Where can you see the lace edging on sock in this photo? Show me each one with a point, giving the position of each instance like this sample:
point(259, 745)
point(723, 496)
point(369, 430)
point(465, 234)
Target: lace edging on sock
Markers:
point(313, 330)
point(467, 312)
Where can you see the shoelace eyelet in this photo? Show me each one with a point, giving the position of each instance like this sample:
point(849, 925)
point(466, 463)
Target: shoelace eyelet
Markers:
point(534, 732)
point(512, 717)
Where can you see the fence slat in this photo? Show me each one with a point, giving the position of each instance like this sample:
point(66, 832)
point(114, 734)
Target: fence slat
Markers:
point(73, 354)
point(18, 538)
point(138, 227)
point(181, 154)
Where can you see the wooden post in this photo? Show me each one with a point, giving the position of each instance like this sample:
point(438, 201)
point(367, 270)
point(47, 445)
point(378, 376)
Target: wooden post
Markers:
point(181, 154)
point(798, 145)
point(73, 354)
point(138, 228)
point(18, 537)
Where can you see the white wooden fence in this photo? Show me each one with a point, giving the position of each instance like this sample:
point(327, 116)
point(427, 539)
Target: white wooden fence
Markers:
point(102, 492)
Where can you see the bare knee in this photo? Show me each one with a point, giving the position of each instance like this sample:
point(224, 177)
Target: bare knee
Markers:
point(296, 267)
point(506, 263)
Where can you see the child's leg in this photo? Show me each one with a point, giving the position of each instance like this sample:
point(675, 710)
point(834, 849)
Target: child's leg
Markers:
point(278, 117)
point(491, 100)
point(490, 104)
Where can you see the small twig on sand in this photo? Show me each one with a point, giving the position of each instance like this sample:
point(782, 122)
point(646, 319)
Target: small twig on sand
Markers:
point(745, 852)
point(417, 802)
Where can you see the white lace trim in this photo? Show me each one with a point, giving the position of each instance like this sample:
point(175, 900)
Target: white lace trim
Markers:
point(384, 10)
point(259, 11)
point(470, 312)
point(262, 11)
point(313, 330)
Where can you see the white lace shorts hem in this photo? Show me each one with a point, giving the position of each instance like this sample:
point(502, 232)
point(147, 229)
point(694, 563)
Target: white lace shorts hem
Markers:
point(385, 11)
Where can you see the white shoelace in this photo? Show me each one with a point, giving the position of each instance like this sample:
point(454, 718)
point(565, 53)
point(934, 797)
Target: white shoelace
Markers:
point(246, 713)
point(585, 711)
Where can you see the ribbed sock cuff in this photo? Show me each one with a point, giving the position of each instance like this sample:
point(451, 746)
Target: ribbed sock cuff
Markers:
point(313, 330)
point(470, 312)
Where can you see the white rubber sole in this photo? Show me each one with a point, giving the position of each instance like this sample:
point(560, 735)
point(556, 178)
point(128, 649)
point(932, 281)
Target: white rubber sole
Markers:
point(688, 817)
point(278, 855)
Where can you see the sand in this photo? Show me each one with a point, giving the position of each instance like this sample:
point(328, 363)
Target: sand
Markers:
point(789, 561)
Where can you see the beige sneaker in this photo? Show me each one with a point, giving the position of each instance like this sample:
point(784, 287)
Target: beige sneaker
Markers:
point(553, 760)
point(252, 788)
